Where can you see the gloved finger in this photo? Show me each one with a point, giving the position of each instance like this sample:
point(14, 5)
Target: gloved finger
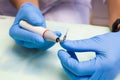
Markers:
point(110, 75)
point(72, 54)
point(23, 35)
point(91, 44)
point(46, 45)
point(26, 13)
point(96, 76)
point(26, 36)
point(105, 75)
point(26, 44)
point(58, 33)
point(38, 46)
point(74, 77)
point(35, 21)
point(77, 68)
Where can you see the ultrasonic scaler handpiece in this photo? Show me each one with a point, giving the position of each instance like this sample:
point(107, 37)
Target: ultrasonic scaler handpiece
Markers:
point(47, 34)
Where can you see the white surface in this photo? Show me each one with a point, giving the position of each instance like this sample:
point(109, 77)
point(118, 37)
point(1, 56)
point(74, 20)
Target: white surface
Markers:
point(18, 63)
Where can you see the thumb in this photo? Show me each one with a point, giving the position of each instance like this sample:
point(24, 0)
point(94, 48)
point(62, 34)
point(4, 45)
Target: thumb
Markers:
point(34, 16)
point(81, 45)
point(74, 66)
point(31, 14)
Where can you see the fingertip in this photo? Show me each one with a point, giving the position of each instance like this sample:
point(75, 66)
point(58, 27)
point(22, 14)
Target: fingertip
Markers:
point(62, 42)
point(65, 44)
point(58, 33)
point(14, 30)
point(46, 45)
point(62, 54)
point(37, 20)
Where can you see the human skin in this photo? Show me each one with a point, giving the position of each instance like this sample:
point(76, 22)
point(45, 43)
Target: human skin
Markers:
point(113, 10)
point(18, 3)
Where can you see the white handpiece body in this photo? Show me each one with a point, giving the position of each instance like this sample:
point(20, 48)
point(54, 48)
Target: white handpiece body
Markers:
point(47, 34)
point(36, 29)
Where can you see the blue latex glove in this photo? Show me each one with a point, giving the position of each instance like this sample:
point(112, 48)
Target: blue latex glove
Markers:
point(106, 64)
point(33, 15)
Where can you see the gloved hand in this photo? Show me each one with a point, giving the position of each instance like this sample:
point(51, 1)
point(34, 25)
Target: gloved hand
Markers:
point(106, 64)
point(33, 15)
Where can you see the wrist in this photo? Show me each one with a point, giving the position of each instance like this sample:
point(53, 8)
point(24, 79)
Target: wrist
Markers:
point(116, 26)
point(18, 3)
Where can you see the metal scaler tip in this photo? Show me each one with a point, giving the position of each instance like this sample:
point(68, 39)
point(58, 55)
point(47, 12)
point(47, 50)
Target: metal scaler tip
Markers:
point(65, 36)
